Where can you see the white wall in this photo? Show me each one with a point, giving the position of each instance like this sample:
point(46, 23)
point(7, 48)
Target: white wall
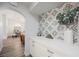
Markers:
point(32, 26)
point(31, 29)
point(0, 27)
point(1, 33)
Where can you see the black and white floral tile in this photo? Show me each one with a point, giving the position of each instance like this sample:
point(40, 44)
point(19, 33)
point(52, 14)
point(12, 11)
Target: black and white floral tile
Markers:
point(50, 25)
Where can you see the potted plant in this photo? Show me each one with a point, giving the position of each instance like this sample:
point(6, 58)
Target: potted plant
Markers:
point(67, 18)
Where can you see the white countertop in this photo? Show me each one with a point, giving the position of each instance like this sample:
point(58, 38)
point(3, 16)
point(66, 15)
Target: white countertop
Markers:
point(58, 45)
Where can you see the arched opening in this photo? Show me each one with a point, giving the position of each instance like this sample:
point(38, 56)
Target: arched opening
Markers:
point(12, 27)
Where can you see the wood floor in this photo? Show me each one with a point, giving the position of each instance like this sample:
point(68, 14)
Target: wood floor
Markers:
point(12, 47)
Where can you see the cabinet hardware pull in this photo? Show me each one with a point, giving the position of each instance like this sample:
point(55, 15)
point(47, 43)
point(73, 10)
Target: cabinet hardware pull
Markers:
point(50, 51)
point(33, 41)
point(48, 56)
point(33, 45)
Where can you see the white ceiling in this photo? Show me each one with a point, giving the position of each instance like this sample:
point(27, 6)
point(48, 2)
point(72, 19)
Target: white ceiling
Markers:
point(26, 4)
point(38, 8)
point(45, 6)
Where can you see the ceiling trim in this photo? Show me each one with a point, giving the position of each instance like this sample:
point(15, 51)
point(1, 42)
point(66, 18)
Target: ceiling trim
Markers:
point(34, 5)
point(15, 4)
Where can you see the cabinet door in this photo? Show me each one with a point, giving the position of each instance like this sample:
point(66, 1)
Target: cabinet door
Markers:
point(40, 50)
point(55, 53)
point(37, 49)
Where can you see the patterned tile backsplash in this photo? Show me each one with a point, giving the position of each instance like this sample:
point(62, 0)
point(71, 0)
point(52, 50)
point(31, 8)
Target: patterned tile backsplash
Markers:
point(50, 26)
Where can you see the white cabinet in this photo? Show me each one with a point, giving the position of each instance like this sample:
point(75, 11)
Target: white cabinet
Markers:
point(39, 50)
point(43, 47)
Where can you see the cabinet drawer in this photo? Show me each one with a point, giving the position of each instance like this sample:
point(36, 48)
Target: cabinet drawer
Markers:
point(50, 53)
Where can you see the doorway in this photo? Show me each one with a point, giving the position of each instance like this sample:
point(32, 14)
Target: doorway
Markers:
point(13, 33)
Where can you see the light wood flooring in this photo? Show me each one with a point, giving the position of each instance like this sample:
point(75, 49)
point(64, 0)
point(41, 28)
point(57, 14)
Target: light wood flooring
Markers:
point(12, 47)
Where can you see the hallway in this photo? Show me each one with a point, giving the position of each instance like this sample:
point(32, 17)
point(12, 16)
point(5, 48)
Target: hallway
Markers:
point(12, 47)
